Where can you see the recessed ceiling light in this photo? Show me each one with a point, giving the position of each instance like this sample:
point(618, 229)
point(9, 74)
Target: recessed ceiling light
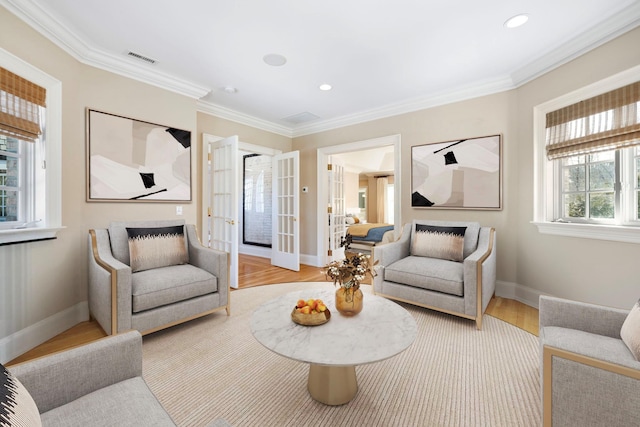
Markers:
point(516, 21)
point(230, 89)
point(325, 86)
point(274, 59)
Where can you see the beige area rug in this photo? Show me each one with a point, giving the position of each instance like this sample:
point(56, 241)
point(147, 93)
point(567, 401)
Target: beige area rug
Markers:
point(452, 375)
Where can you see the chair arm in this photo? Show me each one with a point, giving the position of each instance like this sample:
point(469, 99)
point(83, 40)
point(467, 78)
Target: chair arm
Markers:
point(578, 389)
point(480, 273)
point(596, 319)
point(214, 261)
point(389, 253)
point(63, 377)
point(108, 277)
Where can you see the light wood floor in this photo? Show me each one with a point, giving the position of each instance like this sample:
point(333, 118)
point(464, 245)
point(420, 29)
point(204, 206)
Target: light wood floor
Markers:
point(255, 271)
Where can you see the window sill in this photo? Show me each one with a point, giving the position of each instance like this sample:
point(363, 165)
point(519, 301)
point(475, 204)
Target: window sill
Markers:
point(615, 233)
point(23, 235)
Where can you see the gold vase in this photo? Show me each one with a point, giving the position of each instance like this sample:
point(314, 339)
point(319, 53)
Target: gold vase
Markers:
point(349, 300)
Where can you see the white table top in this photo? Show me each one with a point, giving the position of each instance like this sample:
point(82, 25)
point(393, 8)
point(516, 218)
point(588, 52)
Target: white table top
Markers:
point(381, 330)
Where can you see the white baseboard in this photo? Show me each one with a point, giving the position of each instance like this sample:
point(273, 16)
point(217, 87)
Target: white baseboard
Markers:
point(524, 294)
point(253, 250)
point(25, 339)
point(311, 260)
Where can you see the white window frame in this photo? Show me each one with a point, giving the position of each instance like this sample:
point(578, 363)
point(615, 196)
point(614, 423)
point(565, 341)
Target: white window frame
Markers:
point(543, 170)
point(46, 218)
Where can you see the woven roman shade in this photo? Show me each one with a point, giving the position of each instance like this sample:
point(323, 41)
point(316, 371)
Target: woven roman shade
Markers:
point(20, 102)
point(605, 122)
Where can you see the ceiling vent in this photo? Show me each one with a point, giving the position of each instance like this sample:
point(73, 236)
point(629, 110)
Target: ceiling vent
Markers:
point(299, 118)
point(141, 57)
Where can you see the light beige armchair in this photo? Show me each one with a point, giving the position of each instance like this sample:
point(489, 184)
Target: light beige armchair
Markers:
point(166, 290)
point(589, 376)
point(411, 272)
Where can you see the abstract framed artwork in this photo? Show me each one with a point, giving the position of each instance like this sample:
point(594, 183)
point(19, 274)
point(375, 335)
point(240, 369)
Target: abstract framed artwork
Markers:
point(132, 160)
point(461, 174)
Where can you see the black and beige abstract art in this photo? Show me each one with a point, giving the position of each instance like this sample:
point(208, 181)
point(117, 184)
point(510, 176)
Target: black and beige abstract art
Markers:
point(132, 160)
point(462, 174)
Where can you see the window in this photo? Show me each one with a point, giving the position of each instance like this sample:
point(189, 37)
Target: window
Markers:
point(11, 178)
point(587, 162)
point(30, 163)
point(591, 187)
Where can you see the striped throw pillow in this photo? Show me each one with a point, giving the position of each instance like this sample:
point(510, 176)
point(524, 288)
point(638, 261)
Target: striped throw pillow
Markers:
point(17, 408)
point(438, 242)
point(154, 247)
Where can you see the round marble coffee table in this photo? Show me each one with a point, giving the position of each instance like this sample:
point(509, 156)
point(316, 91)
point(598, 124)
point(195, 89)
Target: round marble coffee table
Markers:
point(382, 330)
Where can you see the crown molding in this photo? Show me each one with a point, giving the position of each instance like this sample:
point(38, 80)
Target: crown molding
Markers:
point(462, 93)
point(242, 118)
point(33, 15)
point(620, 23)
point(63, 37)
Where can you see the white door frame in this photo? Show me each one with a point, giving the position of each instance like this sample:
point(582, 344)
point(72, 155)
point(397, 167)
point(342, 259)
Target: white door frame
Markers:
point(322, 181)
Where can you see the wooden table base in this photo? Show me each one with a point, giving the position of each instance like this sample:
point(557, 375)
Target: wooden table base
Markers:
point(332, 385)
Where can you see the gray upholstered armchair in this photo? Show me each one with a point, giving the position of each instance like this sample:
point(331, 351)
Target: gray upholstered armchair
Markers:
point(159, 283)
point(455, 275)
point(589, 376)
point(97, 384)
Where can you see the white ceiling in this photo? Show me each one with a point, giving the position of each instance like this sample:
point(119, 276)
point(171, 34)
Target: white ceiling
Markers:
point(375, 160)
point(382, 57)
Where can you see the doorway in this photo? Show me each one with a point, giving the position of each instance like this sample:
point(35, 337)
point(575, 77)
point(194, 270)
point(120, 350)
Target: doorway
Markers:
point(355, 149)
point(221, 226)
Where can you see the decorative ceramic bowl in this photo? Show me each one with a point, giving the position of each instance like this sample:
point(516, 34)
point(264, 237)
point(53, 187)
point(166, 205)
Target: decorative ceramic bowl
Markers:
point(311, 319)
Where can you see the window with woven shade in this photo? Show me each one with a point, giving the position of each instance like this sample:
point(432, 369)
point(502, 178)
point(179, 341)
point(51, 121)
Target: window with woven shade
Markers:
point(588, 162)
point(30, 152)
point(21, 107)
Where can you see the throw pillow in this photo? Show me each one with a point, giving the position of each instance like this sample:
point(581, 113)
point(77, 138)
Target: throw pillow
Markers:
point(630, 332)
point(438, 242)
point(154, 247)
point(17, 407)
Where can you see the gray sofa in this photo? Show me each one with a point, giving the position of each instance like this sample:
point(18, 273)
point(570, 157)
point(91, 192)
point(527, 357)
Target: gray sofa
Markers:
point(121, 299)
point(98, 384)
point(460, 288)
point(589, 377)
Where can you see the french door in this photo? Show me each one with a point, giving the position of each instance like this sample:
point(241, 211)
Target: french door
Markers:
point(336, 209)
point(285, 250)
point(224, 201)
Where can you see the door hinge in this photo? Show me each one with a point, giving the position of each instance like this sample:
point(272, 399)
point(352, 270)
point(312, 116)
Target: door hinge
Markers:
point(329, 252)
point(329, 210)
point(209, 211)
point(329, 167)
point(209, 156)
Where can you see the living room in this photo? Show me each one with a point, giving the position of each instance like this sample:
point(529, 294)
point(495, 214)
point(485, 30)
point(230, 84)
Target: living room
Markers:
point(44, 285)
